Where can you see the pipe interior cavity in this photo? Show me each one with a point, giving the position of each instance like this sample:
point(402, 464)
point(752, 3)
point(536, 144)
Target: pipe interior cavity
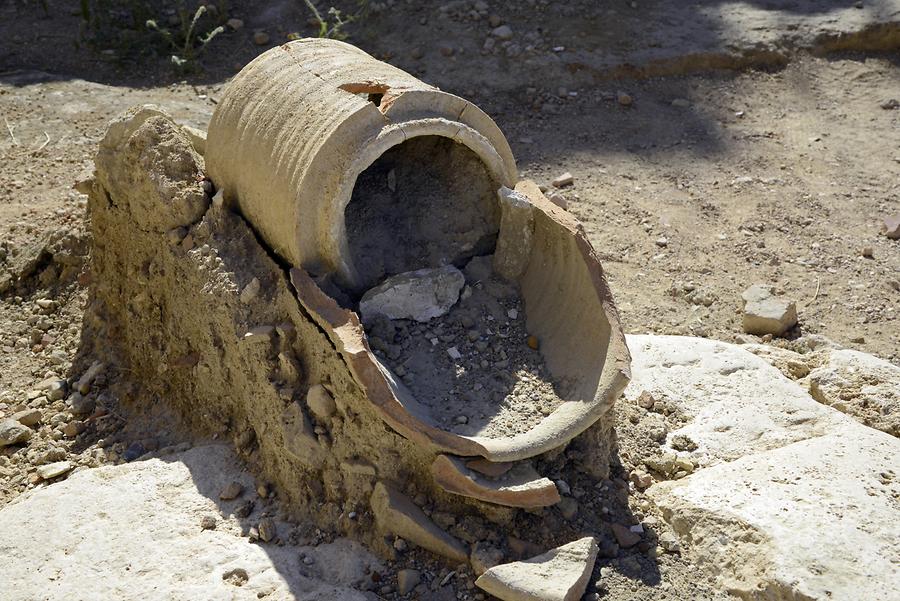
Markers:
point(426, 202)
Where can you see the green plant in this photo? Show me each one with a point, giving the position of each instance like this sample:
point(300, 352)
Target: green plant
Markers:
point(333, 27)
point(186, 43)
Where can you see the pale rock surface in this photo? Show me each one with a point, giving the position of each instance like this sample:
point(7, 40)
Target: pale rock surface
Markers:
point(861, 385)
point(792, 364)
point(420, 295)
point(794, 500)
point(735, 402)
point(765, 313)
point(132, 532)
point(560, 574)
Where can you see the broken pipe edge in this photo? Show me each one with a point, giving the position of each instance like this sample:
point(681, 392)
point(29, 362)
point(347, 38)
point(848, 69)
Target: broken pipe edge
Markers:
point(568, 421)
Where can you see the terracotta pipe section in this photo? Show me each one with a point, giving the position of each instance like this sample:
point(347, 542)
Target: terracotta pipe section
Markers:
point(290, 136)
point(296, 127)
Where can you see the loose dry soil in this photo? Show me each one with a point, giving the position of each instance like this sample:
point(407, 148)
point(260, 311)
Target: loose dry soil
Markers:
point(472, 368)
point(778, 168)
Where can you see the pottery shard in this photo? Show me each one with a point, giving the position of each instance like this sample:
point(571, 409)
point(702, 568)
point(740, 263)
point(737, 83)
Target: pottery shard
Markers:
point(420, 295)
point(513, 250)
point(521, 486)
point(766, 314)
point(396, 514)
point(561, 574)
point(489, 468)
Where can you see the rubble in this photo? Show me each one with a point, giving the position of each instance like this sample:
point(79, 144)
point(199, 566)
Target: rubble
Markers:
point(420, 295)
point(561, 181)
point(560, 574)
point(764, 313)
point(397, 514)
point(320, 402)
point(54, 470)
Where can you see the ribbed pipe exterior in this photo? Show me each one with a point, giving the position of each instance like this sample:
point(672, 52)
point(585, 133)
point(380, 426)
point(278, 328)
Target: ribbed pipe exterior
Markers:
point(294, 129)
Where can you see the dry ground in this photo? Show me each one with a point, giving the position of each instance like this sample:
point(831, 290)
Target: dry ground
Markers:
point(709, 182)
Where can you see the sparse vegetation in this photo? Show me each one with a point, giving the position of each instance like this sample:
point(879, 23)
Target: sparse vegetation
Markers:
point(129, 31)
point(332, 25)
point(186, 42)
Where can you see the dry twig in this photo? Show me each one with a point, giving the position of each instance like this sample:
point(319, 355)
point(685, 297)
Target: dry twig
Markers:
point(42, 146)
point(10, 130)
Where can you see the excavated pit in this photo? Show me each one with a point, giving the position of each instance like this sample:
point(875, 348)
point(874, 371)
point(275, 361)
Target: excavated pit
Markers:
point(426, 202)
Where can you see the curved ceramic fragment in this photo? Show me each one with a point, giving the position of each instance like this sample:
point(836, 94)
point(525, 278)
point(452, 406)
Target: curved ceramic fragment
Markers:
point(521, 486)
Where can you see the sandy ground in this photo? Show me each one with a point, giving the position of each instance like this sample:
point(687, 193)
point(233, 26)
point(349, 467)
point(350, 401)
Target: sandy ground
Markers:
point(708, 182)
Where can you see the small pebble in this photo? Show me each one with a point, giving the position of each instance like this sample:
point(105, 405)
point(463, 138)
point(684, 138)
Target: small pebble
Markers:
point(231, 491)
point(208, 522)
point(133, 451)
point(54, 470)
point(503, 32)
point(533, 343)
point(260, 38)
point(561, 181)
point(266, 529)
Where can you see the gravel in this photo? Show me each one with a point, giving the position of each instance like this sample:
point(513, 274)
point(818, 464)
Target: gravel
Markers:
point(472, 367)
